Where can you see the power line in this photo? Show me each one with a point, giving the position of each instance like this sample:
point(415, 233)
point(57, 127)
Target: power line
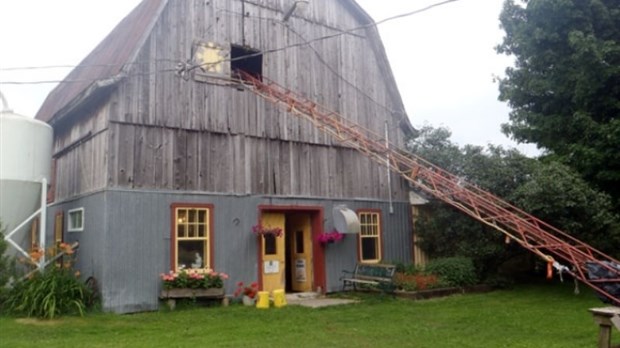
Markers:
point(189, 68)
point(70, 66)
point(326, 37)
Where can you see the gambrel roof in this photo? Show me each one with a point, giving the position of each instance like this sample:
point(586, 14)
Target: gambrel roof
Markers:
point(108, 63)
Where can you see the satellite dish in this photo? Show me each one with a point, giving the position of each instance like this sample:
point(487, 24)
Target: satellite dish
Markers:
point(345, 220)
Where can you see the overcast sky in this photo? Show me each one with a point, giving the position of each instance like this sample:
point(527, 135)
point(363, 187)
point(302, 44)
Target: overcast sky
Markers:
point(443, 59)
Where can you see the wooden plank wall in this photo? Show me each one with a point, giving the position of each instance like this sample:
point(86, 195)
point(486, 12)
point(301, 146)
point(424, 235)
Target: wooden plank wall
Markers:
point(81, 153)
point(167, 132)
point(188, 160)
point(343, 73)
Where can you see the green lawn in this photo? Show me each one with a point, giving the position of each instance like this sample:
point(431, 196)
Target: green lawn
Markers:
point(539, 315)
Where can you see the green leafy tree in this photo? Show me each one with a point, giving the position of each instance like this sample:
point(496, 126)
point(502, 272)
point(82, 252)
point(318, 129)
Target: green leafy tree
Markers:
point(557, 195)
point(564, 89)
point(549, 190)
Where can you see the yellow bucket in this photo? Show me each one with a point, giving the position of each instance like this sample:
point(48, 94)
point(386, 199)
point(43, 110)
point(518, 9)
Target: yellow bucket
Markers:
point(279, 300)
point(263, 300)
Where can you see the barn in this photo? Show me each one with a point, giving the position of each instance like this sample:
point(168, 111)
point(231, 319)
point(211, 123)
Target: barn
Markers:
point(162, 160)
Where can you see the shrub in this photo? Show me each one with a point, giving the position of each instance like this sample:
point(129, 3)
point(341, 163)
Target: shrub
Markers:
point(456, 271)
point(7, 266)
point(55, 292)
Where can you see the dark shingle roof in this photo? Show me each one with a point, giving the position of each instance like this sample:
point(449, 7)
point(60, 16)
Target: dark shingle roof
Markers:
point(106, 61)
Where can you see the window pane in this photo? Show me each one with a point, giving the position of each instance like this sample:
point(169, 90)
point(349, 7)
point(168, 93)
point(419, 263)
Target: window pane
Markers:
point(202, 216)
point(369, 249)
point(363, 218)
point(181, 231)
point(182, 216)
point(201, 231)
point(192, 215)
point(299, 242)
point(270, 244)
point(191, 254)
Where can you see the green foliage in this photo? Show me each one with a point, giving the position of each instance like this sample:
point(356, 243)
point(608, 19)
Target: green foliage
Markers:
point(559, 196)
point(545, 188)
point(565, 87)
point(6, 265)
point(50, 294)
point(456, 271)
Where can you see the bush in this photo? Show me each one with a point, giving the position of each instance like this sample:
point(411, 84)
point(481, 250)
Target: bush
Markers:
point(456, 271)
point(53, 293)
point(7, 266)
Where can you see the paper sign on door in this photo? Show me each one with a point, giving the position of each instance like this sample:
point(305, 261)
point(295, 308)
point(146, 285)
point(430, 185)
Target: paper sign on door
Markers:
point(300, 270)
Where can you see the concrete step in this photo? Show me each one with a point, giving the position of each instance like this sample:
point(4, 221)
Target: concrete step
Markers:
point(297, 296)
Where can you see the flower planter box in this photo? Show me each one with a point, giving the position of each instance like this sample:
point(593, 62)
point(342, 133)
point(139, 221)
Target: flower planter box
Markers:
point(172, 294)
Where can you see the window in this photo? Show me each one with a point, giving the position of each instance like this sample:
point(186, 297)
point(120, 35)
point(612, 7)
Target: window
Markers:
point(370, 237)
point(209, 59)
point(76, 220)
point(246, 60)
point(191, 239)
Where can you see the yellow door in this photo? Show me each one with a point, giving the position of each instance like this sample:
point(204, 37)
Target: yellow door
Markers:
point(301, 253)
point(273, 268)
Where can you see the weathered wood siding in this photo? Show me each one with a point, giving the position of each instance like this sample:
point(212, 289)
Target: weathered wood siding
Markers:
point(81, 153)
point(179, 159)
point(161, 131)
point(181, 134)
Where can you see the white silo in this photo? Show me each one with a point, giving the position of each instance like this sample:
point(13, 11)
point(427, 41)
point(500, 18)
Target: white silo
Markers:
point(25, 159)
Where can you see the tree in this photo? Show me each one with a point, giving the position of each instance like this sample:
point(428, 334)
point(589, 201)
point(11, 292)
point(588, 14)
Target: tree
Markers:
point(549, 190)
point(564, 89)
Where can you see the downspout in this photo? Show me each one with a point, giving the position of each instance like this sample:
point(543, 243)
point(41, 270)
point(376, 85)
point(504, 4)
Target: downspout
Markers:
point(387, 166)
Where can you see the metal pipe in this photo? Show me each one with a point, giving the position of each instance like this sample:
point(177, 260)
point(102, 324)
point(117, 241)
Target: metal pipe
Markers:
point(387, 165)
point(43, 222)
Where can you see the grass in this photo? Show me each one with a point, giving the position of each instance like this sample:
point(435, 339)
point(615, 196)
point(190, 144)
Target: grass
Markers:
point(535, 315)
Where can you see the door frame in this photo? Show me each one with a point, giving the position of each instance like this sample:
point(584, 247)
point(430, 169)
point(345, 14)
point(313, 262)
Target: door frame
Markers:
point(318, 252)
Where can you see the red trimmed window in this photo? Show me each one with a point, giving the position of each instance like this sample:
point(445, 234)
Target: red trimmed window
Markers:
point(369, 243)
point(191, 242)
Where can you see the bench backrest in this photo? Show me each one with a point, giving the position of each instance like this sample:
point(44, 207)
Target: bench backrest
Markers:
point(379, 272)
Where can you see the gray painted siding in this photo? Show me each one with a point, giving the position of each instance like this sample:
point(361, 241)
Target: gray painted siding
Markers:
point(90, 253)
point(132, 230)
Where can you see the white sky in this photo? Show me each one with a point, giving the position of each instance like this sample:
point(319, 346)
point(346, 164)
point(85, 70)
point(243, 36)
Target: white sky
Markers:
point(443, 59)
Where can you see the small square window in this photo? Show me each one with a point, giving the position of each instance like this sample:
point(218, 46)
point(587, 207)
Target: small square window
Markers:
point(247, 60)
point(76, 220)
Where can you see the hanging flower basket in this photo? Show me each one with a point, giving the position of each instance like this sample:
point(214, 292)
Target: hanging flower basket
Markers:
point(260, 230)
point(330, 237)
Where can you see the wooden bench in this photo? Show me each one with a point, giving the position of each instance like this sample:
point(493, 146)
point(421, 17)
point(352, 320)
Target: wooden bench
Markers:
point(172, 295)
point(371, 275)
point(606, 318)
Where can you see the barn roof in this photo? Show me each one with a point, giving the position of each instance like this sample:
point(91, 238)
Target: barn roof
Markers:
point(106, 64)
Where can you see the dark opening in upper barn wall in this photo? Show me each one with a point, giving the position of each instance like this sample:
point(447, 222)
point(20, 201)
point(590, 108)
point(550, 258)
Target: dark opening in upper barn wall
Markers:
point(246, 60)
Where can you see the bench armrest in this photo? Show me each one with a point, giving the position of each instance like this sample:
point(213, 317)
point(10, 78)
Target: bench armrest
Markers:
point(346, 273)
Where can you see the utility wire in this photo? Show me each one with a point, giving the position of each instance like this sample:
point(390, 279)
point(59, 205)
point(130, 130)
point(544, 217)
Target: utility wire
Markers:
point(326, 37)
point(69, 66)
point(318, 56)
point(274, 50)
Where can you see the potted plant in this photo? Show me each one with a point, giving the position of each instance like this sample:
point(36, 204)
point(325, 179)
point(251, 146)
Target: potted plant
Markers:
point(193, 283)
point(247, 293)
point(260, 230)
point(330, 237)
